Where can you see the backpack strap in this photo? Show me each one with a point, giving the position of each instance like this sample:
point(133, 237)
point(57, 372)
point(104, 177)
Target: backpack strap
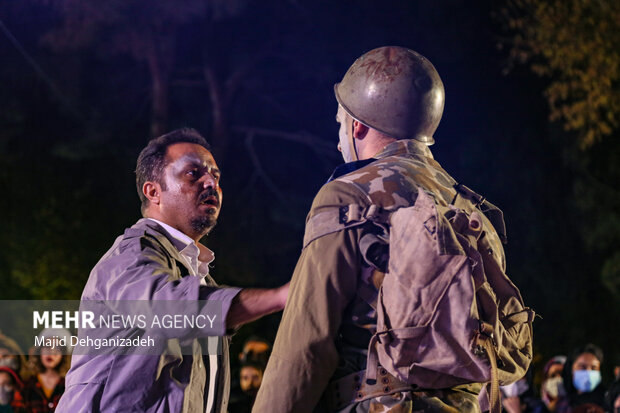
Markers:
point(484, 344)
point(337, 218)
point(484, 340)
point(493, 213)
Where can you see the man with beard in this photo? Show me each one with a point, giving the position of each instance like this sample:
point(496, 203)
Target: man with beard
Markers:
point(160, 258)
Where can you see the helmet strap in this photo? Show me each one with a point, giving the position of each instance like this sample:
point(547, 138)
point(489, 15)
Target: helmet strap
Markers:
point(352, 143)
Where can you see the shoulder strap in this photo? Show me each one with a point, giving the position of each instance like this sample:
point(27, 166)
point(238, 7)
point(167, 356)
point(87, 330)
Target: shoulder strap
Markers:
point(493, 213)
point(337, 218)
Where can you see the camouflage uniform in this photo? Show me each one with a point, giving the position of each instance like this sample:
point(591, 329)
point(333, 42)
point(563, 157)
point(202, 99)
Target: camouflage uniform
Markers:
point(327, 325)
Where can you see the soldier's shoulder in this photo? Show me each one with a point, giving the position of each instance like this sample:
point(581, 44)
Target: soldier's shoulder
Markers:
point(339, 193)
point(388, 182)
point(355, 182)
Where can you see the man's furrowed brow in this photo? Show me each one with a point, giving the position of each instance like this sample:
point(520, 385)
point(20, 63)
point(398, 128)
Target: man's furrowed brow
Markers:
point(192, 159)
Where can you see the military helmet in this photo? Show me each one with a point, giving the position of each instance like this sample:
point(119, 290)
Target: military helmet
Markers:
point(395, 91)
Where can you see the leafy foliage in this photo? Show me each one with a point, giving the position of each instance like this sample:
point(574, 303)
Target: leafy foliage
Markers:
point(575, 44)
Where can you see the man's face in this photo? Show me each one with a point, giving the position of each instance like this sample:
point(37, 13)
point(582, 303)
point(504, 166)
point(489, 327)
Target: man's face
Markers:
point(250, 379)
point(192, 199)
point(344, 145)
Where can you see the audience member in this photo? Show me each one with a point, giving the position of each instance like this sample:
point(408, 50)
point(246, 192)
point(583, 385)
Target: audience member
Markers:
point(253, 359)
point(616, 367)
point(582, 380)
point(42, 392)
point(520, 397)
point(512, 396)
point(12, 357)
point(255, 349)
point(251, 377)
point(612, 398)
point(10, 384)
point(552, 388)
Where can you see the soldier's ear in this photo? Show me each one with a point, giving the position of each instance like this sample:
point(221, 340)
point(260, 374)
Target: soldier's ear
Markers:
point(359, 130)
point(152, 192)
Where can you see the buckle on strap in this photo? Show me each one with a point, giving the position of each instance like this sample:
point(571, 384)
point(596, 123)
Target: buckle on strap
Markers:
point(466, 192)
point(355, 213)
point(349, 213)
point(354, 388)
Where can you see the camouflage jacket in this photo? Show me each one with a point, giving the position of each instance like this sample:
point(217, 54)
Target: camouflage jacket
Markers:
point(327, 325)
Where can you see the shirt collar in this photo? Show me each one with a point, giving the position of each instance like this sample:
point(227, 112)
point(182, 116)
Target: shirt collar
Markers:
point(400, 147)
point(174, 233)
point(203, 253)
point(404, 146)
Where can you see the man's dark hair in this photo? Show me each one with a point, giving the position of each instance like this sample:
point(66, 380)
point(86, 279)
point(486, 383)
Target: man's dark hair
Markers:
point(251, 356)
point(152, 159)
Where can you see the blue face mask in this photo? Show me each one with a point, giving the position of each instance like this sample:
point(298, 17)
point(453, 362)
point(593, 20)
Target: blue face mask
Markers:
point(586, 380)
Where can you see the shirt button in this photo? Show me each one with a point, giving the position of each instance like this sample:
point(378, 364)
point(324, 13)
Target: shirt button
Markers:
point(50, 405)
point(199, 365)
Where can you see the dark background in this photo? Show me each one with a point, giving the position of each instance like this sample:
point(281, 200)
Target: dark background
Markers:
point(85, 84)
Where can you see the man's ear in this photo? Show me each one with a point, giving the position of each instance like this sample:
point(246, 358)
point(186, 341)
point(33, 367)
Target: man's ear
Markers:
point(152, 192)
point(359, 129)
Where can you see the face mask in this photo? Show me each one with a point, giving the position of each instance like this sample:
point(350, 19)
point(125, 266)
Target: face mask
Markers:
point(6, 395)
point(554, 387)
point(586, 380)
point(515, 389)
point(10, 363)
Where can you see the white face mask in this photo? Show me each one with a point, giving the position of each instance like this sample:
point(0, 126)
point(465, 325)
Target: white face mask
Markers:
point(9, 362)
point(515, 389)
point(586, 380)
point(343, 138)
point(6, 395)
point(554, 387)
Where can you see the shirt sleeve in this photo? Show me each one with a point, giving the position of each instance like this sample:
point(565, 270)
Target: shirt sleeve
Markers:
point(140, 275)
point(304, 356)
point(224, 297)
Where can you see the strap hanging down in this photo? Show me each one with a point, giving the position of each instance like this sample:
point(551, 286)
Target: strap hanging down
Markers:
point(485, 344)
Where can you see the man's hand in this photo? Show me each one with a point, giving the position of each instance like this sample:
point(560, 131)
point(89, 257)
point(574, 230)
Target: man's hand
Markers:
point(253, 303)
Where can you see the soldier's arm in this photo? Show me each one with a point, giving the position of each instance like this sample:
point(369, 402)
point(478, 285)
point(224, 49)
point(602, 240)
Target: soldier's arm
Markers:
point(304, 356)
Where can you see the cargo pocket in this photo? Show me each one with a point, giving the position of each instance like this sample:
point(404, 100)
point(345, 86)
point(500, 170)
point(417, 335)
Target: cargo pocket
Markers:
point(518, 328)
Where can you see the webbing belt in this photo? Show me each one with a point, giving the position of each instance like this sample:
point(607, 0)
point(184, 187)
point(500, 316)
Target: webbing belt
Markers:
point(354, 388)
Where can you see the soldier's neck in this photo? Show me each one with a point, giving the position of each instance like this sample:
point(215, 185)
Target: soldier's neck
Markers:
point(372, 144)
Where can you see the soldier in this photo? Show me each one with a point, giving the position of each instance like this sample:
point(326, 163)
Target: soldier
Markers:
point(390, 103)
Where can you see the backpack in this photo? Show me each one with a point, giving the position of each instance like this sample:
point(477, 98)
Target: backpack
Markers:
point(447, 314)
